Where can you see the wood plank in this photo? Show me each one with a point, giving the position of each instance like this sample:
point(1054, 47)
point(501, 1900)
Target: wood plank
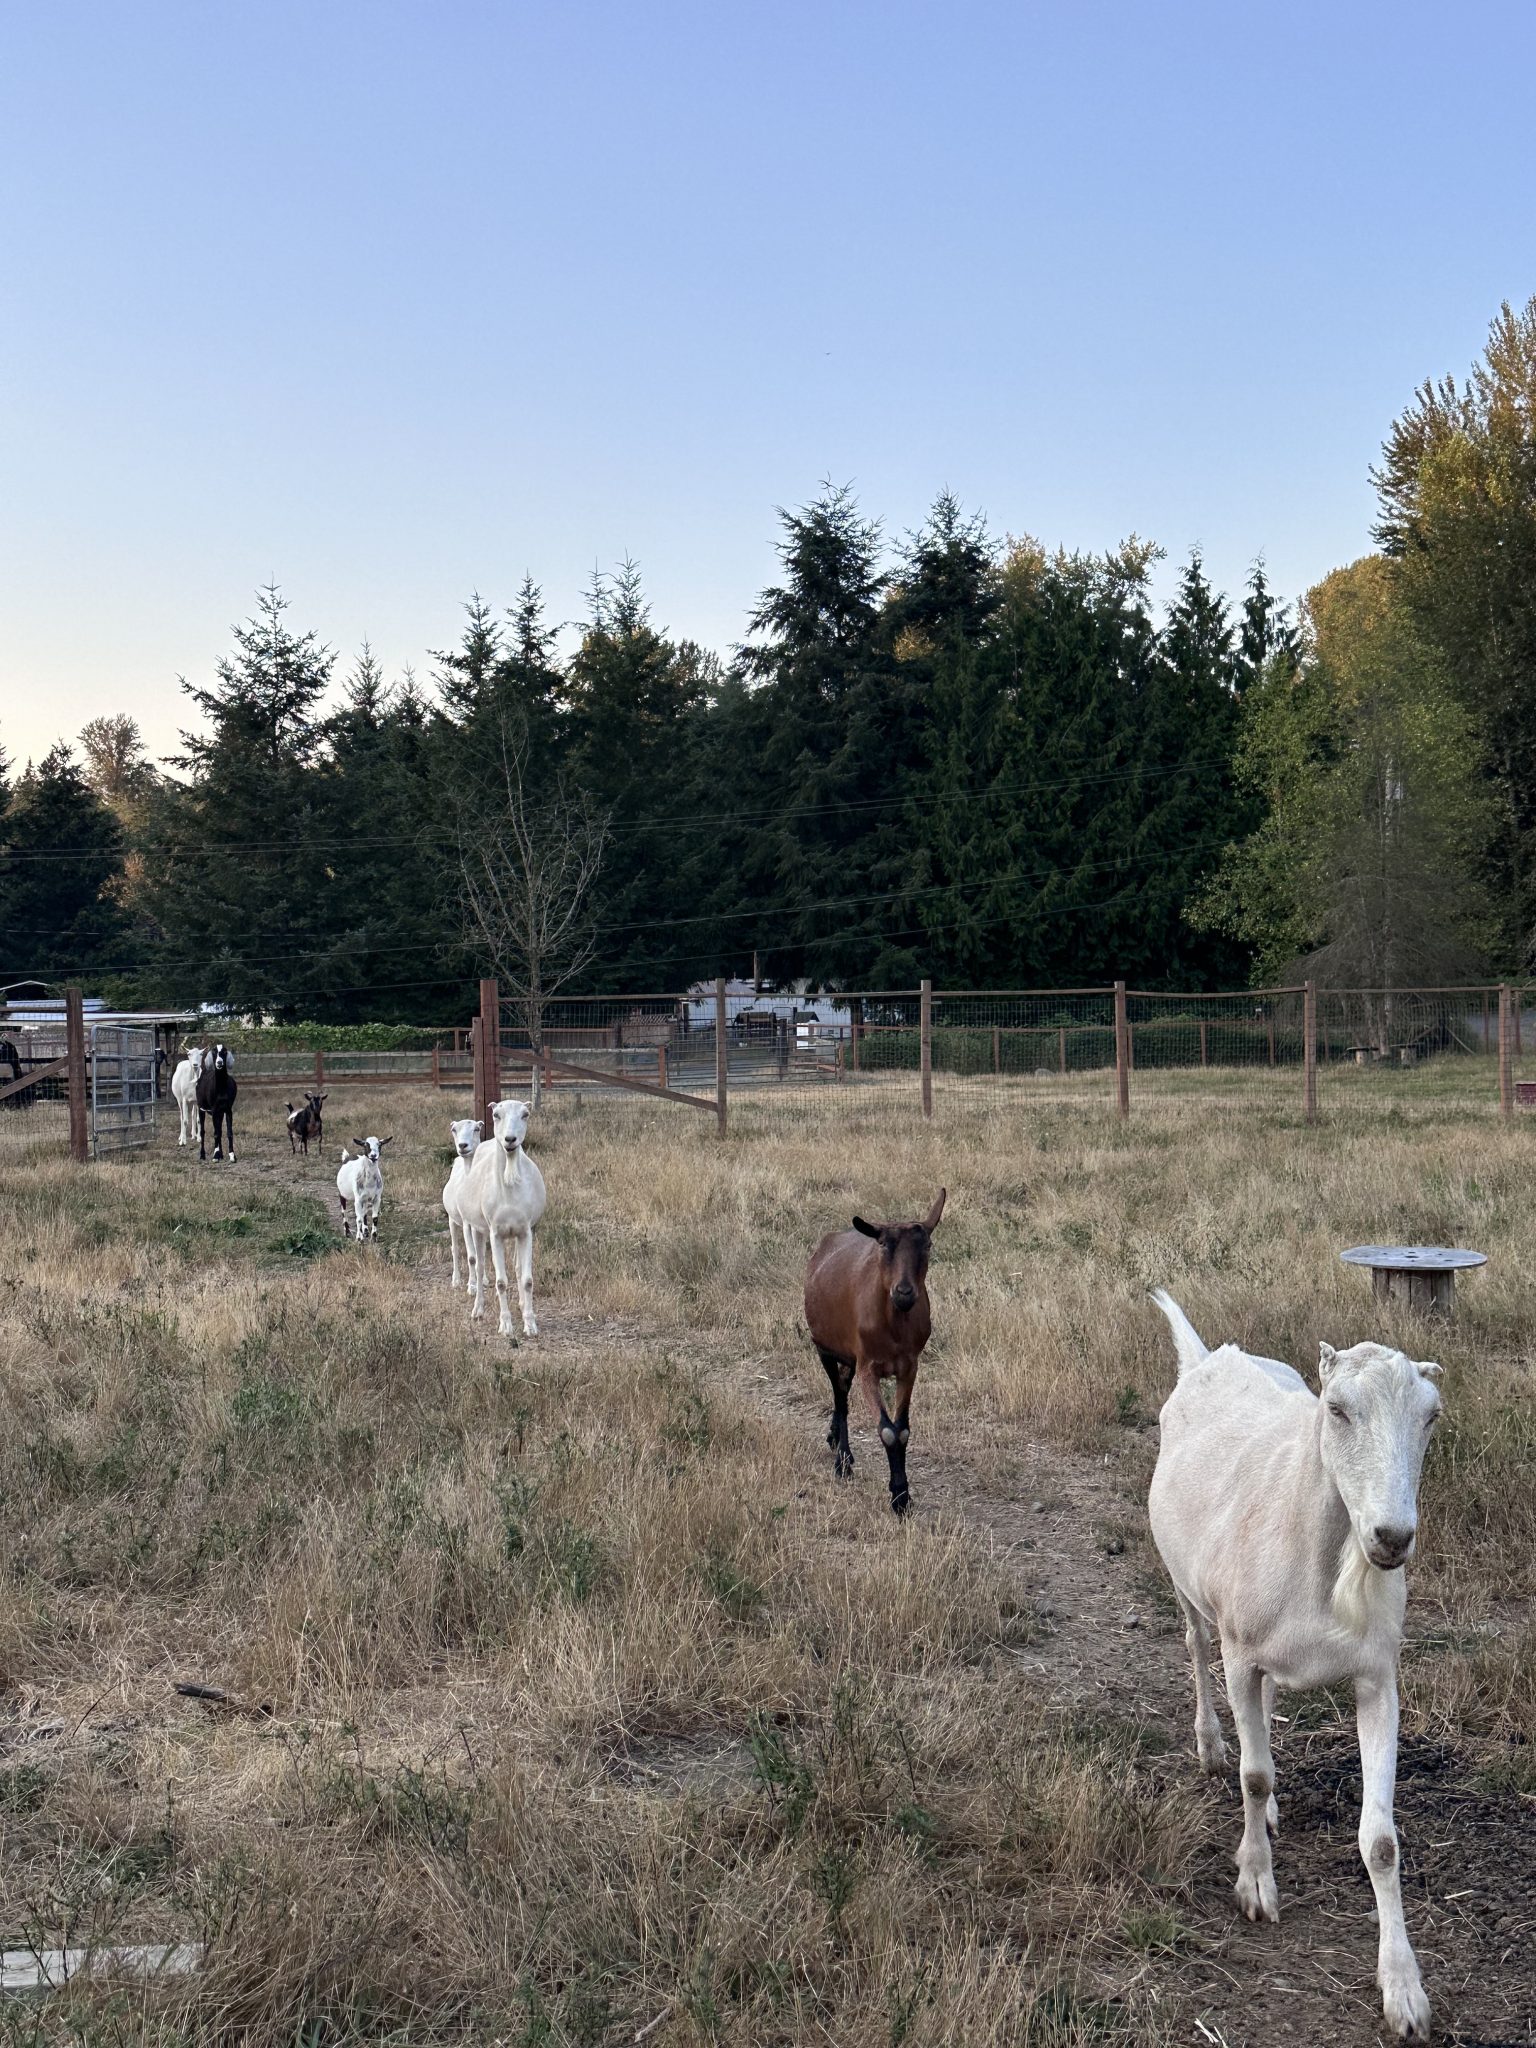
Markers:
point(30, 1079)
point(637, 1087)
point(45, 1969)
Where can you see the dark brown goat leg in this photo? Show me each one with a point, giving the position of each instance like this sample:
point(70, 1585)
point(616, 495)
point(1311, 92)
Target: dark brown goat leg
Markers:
point(895, 1432)
point(841, 1376)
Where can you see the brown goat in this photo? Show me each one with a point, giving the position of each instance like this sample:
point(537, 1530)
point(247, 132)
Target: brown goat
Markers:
point(866, 1307)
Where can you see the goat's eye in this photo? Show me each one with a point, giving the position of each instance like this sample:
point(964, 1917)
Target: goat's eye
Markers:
point(1339, 1414)
point(1432, 1420)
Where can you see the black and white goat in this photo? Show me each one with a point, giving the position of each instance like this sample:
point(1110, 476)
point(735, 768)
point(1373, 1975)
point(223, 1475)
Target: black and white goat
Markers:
point(216, 1092)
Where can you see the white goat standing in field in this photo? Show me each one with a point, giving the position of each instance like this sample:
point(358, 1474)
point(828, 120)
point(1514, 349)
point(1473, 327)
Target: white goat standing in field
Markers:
point(184, 1090)
point(1284, 1521)
point(361, 1182)
point(466, 1136)
point(503, 1198)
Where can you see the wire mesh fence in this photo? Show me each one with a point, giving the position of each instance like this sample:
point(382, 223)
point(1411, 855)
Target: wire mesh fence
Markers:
point(916, 1052)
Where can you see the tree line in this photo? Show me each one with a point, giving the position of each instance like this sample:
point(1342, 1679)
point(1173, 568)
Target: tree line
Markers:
point(947, 755)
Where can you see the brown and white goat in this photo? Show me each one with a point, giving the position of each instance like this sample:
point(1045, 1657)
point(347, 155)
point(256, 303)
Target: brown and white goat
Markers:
point(305, 1123)
point(866, 1307)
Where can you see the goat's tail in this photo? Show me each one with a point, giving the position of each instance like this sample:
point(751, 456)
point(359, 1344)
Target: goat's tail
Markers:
point(1187, 1341)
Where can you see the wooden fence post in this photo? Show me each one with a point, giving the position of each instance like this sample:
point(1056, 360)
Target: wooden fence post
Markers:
point(319, 1071)
point(722, 1071)
point(997, 1050)
point(1517, 1004)
point(74, 1037)
point(437, 1064)
point(1269, 1032)
point(925, 1042)
point(489, 1072)
point(855, 1027)
point(482, 1095)
point(661, 1066)
point(1309, 1051)
point(1205, 1051)
point(1061, 1048)
point(1506, 1073)
point(1122, 1053)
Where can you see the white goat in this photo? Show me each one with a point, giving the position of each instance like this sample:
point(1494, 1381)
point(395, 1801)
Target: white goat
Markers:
point(184, 1090)
point(361, 1182)
point(1283, 1521)
point(503, 1199)
point(466, 1136)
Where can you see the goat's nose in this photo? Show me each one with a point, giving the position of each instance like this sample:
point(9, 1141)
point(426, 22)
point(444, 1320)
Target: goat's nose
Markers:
point(903, 1297)
point(1392, 1540)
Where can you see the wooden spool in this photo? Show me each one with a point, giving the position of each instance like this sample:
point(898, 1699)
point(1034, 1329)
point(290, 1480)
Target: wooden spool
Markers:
point(1417, 1276)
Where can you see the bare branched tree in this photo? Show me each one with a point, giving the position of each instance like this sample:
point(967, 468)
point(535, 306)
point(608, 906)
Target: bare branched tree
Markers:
point(529, 860)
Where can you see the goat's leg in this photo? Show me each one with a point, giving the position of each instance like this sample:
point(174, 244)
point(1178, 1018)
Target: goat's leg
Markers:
point(453, 1242)
point(895, 1432)
point(1256, 1892)
point(1272, 1812)
point(525, 1283)
point(1403, 2002)
point(503, 1284)
point(202, 1134)
point(477, 1272)
point(229, 1132)
point(1209, 1743)
point(841, 1376)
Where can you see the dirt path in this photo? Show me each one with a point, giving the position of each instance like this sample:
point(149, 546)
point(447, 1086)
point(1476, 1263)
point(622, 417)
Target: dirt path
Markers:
point(1072, 1531)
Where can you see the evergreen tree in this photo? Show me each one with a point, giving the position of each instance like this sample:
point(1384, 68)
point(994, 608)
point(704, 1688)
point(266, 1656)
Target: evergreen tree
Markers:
point(389, 855)
point(241, 872)
point(831, 747)
point(633, 697)
point(61, 867)
point(1190, 807)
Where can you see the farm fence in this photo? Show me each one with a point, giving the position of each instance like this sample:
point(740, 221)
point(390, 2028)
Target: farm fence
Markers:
point(916, 1051)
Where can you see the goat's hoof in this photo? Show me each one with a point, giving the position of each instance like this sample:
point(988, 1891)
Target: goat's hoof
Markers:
point(842, 1465)
point(1257, 1897)
point(1213, 1756)
point(900, 1502)
point(1405, 2007)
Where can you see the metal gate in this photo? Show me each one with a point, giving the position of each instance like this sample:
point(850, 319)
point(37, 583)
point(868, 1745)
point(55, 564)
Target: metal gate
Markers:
point(122, 1088)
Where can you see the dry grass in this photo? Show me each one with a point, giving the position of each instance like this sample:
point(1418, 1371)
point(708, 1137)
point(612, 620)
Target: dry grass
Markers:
point(585, 1700)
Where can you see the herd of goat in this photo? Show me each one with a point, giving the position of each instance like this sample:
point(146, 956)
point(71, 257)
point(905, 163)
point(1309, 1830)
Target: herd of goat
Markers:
point(1283, 1518)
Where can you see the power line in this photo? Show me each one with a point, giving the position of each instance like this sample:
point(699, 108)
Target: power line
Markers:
point(758, 914)
point(686, 820)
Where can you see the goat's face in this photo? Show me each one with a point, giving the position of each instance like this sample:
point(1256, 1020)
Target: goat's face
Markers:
point(372, 1146)
point(1378, 1412)
point(466, 1135)
point(220, 1058)
point(904, 1249)
point(509, 1120)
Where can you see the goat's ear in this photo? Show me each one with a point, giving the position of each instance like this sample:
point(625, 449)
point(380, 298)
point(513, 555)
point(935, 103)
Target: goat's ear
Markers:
point(1327, 1358)
point(868, 1229)
point(385, 1141)
point(1428, 1369)
point(931, 1220)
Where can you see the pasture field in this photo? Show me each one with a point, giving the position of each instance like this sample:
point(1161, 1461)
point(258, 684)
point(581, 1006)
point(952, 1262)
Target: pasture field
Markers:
point(572, 1701)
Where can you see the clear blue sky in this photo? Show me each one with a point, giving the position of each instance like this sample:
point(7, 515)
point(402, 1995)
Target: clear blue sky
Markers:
point(389, 302)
